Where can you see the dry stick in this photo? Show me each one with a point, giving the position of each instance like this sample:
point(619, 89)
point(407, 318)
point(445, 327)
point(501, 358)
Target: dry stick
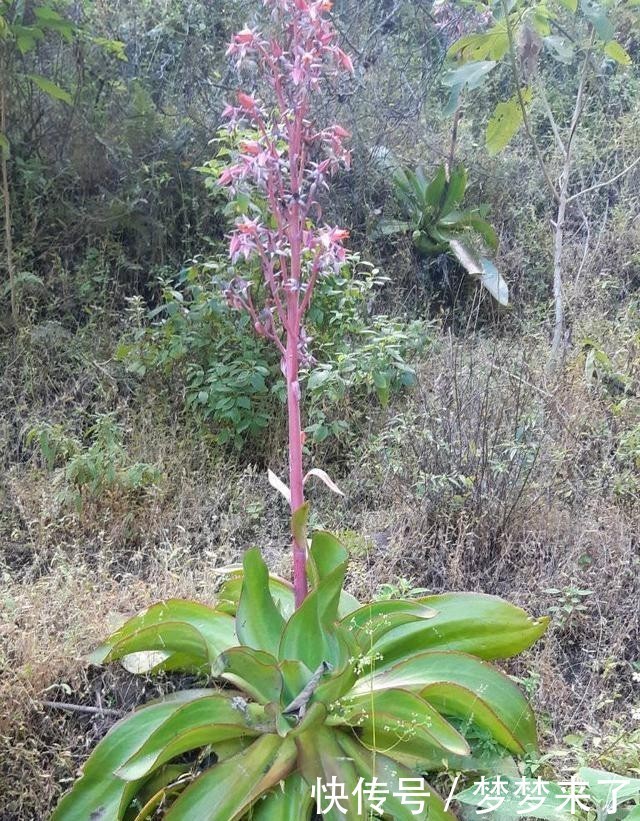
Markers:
point(606, 182)
point(5, 185)
point(79, 708)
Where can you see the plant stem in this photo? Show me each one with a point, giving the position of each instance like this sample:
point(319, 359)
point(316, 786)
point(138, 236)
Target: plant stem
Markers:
point(6, 193)
point(80, 708)
point(296, 478)
point(296, 475)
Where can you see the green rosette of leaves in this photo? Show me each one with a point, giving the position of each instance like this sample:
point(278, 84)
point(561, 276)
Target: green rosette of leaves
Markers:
point(292, 699)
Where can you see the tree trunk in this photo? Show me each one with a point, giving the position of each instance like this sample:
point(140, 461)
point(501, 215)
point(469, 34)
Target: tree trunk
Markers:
point(557, 344)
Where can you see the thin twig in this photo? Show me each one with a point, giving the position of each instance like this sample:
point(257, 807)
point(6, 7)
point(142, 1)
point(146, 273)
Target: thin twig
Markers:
point(79, 708)
point(606, 182)
point(552, 119)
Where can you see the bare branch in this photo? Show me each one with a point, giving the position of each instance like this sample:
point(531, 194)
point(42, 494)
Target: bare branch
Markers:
point(606, 182)
point(80, 708)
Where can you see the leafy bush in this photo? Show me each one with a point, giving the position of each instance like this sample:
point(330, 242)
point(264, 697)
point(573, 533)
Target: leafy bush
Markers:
point(386, 690)
point(232, 377)
point(93, 471)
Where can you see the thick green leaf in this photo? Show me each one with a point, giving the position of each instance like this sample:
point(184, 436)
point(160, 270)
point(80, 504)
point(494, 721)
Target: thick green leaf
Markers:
point(455, 189)
point(426, 246)
point(372, 621)
point(198, 723)
point(461, 685)
point(336, 685)
point(608, 788)
point(227, 790)
point(481, 227)
point(51, 89)
point(163, 788)
point(296, 676)
point(321, 759)
point(485, 626)
point(101, 795)
point(505, 122)
point(502, 711)
point(325, 555)
point(405, 727)
point(404, 187)
point(185, 628)
point(281, 592)
point(259, 623)
point(289, 801)
point(5, 145)
point(310, 635)
point(253, 671)
point(435, 190)
point(419, 184)
point(418, 805)
point(571, 5)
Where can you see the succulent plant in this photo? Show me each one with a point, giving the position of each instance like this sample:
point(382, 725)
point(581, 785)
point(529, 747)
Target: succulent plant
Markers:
point(294, 699)
point(438, 224)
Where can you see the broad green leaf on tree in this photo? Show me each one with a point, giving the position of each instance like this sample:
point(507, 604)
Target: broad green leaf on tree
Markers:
point(50, 88)
point(473, 57)
point(614, 50)
point(506, 122)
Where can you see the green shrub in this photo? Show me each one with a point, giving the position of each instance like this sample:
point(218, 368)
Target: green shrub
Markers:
point(95, 470)
point(232, 378)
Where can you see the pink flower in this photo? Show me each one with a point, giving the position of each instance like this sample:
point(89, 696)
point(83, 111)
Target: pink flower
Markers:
point(230, 174)
point(241, 245)
point(249, 147)
point(245, 36)
point(248, 226)
point(344, 60)
point(246, 102)
point(338, 234)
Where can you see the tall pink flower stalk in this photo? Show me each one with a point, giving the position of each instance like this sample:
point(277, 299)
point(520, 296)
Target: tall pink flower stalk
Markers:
point(286, 161)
